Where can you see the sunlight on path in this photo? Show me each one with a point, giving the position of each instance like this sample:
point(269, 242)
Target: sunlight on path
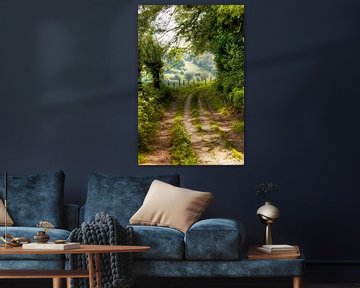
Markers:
point(209, 146)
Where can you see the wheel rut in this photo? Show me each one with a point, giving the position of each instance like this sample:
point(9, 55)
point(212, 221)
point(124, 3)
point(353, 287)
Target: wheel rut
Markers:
point(210, 143)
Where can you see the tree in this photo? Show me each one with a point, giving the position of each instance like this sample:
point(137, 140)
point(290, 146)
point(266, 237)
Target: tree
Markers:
point(203, 76)
point(189, 76)
point(220, 30)
point(152, 58)
point(150, 51)
point(177, 77)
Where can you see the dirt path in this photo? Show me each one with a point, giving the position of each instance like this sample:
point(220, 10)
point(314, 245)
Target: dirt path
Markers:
point(211, 135)
point(210, 144)
point(160, 154)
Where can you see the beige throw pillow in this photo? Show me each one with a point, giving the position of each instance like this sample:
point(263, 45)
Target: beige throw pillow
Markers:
point(170, 206)
point(9, 221)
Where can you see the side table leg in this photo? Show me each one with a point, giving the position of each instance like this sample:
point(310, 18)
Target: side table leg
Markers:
point(91, 270)
point(297, 282)
point(57, 283)
point(98, 270)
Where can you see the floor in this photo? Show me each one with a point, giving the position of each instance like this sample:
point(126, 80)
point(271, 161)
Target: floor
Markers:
point(247, 284)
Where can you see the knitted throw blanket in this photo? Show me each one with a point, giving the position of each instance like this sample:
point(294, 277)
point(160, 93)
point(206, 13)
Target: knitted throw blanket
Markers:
point(116, 268)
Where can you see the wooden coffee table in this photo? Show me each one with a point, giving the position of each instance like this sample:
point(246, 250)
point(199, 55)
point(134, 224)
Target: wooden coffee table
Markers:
point(92, 251)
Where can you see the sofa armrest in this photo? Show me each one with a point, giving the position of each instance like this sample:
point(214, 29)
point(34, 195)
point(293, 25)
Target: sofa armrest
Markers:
point(71, 216)
point(215, 239)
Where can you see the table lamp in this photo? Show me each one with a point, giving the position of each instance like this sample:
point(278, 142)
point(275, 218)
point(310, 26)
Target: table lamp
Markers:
point(268, 214)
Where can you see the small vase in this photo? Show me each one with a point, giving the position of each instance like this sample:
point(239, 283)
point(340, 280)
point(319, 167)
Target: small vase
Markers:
point(41, 237)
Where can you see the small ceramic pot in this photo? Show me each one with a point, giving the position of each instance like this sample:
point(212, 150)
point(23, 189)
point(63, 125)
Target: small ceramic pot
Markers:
point(41, 237)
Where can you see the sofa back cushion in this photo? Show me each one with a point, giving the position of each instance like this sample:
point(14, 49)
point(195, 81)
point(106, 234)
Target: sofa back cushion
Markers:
point(119, 196)
point(35, 198)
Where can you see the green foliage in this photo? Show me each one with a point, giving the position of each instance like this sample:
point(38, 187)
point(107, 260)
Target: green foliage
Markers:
point(189, 76)
point(237, 154)
point(195, 112)
point(205, 60)
point(150, 111)
point(218, 29)
point(150, 57)
point(195, 105)
point(236, 97)
point(213, 98)
point(238, 126)
point(141, 158)
point(181, 151)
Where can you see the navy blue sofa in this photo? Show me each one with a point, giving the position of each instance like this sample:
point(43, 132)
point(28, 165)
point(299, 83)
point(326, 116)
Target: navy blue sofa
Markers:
point(210, 248)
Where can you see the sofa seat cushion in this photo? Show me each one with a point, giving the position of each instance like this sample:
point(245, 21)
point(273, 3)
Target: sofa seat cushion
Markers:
point(214, 239)
point(119, 196)
point(213, 269)
point(29, 232)
point(35, 198)
point(166, 243)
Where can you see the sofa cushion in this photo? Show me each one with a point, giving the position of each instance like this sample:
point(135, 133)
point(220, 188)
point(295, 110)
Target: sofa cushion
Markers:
point(170, 206)
point(9, 221)
point(214, 239)
point(39, 264)
point(165, 243)
point(35, 198)
point(119, 196)
point(29, 232)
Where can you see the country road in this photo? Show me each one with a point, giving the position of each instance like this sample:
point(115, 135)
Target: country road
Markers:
point(212, 139)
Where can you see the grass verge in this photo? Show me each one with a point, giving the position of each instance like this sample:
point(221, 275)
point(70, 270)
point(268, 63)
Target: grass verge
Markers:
point(195, 112)
point(181, 151)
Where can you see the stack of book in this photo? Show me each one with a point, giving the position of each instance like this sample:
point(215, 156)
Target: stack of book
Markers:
point(279, 249)
point(51, 246)
point(274, 252)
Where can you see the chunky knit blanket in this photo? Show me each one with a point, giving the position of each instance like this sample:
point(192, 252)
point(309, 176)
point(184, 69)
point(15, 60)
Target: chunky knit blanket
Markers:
point(116, 268)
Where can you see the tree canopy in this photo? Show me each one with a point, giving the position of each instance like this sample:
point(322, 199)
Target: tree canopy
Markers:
point(172, 29)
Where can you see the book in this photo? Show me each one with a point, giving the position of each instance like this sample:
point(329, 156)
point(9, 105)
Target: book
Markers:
point(278, 249)
point(51, 246)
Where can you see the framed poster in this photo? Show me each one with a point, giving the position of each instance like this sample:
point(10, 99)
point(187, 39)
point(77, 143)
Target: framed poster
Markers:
point(191, 84)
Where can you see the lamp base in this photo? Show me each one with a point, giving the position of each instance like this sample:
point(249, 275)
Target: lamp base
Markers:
point(268, 237)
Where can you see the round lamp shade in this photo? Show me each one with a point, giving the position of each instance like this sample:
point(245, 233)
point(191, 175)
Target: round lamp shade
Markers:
point(268, 212)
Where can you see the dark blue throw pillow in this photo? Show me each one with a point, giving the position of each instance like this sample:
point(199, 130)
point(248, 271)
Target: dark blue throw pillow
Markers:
point(35, 198)
point(119, 196)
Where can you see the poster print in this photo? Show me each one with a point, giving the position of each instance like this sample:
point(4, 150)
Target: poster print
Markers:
point(191, 84)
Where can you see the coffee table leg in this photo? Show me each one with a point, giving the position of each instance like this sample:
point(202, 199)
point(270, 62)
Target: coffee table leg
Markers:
point(98, 270)
point(297, 282)
point(91, 270)
point(57, 283)
point(68, 282)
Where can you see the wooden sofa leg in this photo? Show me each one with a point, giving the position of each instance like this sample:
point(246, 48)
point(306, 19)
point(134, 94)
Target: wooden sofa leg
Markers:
point(68, 282)
point(297, 282)
point(57, 283)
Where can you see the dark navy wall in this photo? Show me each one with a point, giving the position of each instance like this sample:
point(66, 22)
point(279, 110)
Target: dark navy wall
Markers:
point(68, 101)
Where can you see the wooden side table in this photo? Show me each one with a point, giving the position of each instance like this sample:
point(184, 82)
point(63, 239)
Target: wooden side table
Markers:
point(254, 254)
point(93, 251)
